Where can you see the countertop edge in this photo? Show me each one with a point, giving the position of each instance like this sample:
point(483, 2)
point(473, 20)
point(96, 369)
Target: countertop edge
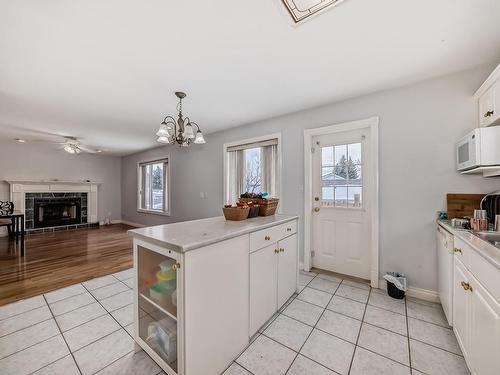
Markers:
point(197, 245)
point(465, 235)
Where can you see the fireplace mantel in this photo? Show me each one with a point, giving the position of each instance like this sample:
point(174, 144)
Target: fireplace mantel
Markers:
point(18, 189)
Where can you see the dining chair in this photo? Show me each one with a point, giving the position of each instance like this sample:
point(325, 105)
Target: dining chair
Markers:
point(6, 208)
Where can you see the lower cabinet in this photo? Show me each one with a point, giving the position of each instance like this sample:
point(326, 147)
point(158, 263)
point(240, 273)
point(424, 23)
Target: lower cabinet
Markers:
point(476, 322)
point(273, 279)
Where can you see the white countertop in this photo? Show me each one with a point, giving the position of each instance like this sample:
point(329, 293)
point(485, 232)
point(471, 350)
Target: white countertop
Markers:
point(484, 248)
point(189, 235)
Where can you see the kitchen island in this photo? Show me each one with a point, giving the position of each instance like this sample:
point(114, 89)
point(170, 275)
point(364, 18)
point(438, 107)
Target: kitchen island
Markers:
point(203, 288)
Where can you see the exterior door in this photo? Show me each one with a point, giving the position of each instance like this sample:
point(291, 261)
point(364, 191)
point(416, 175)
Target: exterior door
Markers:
point(341, 219)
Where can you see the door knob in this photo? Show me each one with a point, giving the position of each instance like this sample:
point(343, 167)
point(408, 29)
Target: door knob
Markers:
point(176, 266)
point(316, 209)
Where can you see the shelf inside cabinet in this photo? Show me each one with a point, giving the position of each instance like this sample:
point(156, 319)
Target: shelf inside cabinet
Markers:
point(158, 330)
point(163, 310)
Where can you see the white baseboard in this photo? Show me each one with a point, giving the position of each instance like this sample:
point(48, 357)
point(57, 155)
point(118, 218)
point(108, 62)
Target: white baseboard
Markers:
point(423, 294)
point(132, 224)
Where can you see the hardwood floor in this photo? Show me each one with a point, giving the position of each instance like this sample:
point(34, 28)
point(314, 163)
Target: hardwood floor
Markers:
point(59, 259)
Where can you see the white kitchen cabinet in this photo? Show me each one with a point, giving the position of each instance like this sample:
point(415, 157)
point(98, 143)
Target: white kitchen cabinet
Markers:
point(461, 306)
point(273, 279)
point(445, 271)
point(484, 341)
point(192, 288)
point(476, 314)
point(287, 269)
point(263, 286)
point(488, 97)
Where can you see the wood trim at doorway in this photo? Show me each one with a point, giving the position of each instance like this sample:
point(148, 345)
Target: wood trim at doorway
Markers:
point(371, 123)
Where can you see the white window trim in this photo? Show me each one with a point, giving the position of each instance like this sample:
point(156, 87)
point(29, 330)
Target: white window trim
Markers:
point(371, 123)
point(139, 186)
point(254, 140)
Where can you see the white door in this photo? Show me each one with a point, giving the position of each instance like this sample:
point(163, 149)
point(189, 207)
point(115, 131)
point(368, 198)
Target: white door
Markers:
point(341, 219)
point(263, 286)
point(287, 269)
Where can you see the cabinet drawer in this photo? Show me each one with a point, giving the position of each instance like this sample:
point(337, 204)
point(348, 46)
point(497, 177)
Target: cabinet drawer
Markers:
point(265, 237)
point(462, 251)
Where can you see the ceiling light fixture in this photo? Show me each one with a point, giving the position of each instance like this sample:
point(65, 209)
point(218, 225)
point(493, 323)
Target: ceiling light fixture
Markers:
point(180, 131)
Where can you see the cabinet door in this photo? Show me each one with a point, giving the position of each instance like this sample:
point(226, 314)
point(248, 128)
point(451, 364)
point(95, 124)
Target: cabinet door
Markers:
point(495, 99)
point(485, 331)
point(461, 305)
point(263, 286)
point(486, 107)
point(287, 269)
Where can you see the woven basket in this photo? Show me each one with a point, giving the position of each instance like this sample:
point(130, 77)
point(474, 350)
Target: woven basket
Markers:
point(246, 200)
point(235, 213)
point(267, 207)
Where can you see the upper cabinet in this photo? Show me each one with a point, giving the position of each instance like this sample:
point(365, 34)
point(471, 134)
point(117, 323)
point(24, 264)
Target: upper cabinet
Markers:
point(488, 97)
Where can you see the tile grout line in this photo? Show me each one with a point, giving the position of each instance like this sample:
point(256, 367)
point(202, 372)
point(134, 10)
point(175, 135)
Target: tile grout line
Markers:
point(64, 338)
point(359, 333)
point(29, 346)
point(312, 330)
point(408, 334)
point(29, 326)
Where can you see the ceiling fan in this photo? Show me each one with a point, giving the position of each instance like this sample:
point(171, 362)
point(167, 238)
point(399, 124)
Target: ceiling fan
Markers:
point(70, 144)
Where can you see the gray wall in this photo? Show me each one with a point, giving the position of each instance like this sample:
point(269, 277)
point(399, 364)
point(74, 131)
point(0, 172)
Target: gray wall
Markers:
point(40, 161)
point(419, 125)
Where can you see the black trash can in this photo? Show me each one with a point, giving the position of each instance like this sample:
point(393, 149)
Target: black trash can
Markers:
point(394, 292)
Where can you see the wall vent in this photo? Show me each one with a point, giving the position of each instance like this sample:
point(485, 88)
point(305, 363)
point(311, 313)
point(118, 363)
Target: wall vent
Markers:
point(302, 9)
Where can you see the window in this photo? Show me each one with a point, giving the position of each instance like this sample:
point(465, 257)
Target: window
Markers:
point(341, 179)
point(252, 166)
point(153, 178)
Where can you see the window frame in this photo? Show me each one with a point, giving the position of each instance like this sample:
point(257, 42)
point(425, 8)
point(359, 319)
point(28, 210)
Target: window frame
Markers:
point(167, 190)
point(241, 142)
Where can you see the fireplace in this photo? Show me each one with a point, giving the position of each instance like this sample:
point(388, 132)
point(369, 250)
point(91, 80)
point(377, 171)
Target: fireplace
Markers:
point(54, 213)
point(55, 210)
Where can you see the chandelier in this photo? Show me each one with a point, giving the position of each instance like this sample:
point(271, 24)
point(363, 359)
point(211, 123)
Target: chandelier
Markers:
point(180, 131)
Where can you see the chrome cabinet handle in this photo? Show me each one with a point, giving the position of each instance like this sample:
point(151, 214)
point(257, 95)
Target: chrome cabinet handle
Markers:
point(457, 250)
point(466, 286)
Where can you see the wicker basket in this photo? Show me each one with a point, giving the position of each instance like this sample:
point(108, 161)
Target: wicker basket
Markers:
point(246, 200)
point(235, 213)
point(254, 211)
point(267, 207)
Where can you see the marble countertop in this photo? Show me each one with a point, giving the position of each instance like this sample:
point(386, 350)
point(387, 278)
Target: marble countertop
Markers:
point(484, 248)
point(189, 235)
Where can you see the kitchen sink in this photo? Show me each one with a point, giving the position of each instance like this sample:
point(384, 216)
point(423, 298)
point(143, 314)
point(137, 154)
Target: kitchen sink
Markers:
point(491, 237)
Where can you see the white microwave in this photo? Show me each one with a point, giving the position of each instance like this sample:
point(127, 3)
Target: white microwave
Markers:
point(479, 148)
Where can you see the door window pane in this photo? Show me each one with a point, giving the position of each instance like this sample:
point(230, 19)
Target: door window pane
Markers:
point(341, 175)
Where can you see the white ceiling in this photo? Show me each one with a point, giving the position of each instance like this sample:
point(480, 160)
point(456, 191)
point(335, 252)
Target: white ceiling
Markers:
point(106, 71)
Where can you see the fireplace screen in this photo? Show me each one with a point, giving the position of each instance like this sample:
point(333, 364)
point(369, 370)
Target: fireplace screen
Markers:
point(53, 213)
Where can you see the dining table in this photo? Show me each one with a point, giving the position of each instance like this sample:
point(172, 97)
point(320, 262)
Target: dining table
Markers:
point(18, 230)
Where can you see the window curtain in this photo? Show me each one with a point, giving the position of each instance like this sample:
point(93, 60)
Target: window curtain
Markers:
point(235, 168)
point(269, 157)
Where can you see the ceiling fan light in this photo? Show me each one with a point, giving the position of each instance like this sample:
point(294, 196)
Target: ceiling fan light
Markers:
point(200, 139)
point(162, 131)
point(70, 149)
point(163, 139)
point(188, 131)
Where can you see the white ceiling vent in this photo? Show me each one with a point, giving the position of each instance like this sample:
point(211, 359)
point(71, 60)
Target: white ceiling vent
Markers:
point(301, 9)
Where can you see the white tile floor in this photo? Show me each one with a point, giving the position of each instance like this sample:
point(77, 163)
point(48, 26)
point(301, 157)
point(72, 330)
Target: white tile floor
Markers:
point(338, 326)
point(333, 326)
point(81, 329)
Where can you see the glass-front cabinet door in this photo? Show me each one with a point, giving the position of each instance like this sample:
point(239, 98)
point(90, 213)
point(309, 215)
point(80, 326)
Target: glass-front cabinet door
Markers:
point(157, 303)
